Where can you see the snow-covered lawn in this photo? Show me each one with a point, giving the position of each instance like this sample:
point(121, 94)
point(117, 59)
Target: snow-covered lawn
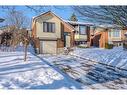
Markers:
point(72, 71)
point(32, 74)
point(91, 73)
point(115, 57)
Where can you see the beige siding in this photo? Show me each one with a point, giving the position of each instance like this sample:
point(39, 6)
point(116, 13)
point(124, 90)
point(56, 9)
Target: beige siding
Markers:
point(48, 18)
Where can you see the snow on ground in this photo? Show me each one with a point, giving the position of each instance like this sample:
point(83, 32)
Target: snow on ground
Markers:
point(92, 74)
point(35, 73)
point(116, 57)
point(39, 72)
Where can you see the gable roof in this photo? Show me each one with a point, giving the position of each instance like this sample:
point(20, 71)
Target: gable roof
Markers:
point(68, 25)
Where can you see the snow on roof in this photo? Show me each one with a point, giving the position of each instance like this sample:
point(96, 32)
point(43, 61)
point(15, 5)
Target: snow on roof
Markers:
point(79, 23)
point(108, 26)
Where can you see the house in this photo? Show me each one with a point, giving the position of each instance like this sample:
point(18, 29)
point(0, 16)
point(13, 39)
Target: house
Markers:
point(107, 34)
point(51, 33)
point(82, 33)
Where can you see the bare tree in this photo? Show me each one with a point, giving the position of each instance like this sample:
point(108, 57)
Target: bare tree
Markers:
point(25, 39)
point(103, 14)
point(16, 18)
point(21, 36)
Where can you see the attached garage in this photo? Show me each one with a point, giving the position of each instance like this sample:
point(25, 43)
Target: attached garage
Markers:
point(48, 47)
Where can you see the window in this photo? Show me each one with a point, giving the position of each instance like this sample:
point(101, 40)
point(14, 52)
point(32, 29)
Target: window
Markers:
point(48, 27)
point(82, 30)
point(116, 33)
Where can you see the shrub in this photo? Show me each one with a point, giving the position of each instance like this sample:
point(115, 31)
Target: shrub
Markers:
point(108, 46)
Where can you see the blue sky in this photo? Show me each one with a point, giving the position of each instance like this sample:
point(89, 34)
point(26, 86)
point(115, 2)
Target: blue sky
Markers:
point(63, 11)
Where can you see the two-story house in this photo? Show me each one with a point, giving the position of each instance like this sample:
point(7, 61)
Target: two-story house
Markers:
point(51, 33)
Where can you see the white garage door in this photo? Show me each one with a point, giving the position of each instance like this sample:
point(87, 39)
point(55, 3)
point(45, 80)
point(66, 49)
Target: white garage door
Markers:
point(48, 47)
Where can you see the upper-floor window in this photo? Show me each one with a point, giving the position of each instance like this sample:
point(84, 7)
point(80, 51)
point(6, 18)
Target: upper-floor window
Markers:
point(48, 27)
point(82, 30)
point(116, 32)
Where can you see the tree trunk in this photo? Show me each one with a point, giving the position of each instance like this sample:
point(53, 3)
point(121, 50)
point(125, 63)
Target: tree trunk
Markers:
point(25, 56)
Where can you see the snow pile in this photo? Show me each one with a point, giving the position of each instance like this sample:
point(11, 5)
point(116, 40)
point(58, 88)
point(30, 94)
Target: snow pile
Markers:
point(32, 74)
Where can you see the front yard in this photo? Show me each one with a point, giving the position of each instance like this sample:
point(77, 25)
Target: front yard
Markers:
point(90, 68)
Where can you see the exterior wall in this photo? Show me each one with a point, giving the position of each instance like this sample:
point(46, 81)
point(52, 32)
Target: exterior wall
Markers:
point(33, 34)
point(103, 39)
point(60, 43)
point(48, 18)
point(100, 37)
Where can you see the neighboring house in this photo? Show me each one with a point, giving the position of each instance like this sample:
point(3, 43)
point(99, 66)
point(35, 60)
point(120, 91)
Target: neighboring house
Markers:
point(82, 33)
point(110, 35)
point(116, 36)
point(51, 33)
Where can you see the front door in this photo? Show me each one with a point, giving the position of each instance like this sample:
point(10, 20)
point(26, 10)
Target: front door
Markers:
point(67, 39)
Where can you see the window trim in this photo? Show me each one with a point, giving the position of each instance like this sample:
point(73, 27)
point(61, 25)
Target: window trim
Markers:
point(49, 24)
